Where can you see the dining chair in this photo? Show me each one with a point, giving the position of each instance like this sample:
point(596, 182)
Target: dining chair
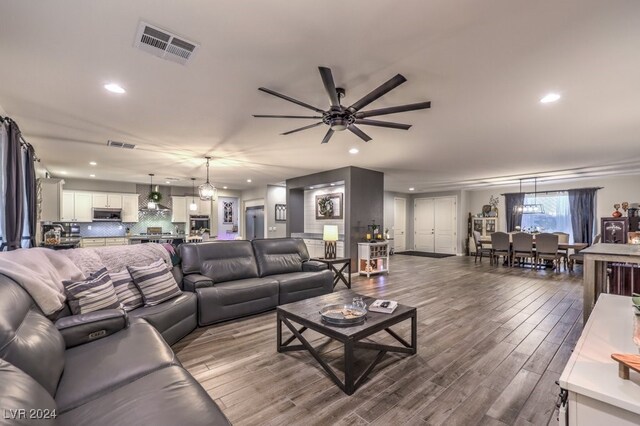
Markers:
point(563, 238)
point(481, 248)
point(547, 249)
point(501, 247)
point(578, 256)
point(522, 247)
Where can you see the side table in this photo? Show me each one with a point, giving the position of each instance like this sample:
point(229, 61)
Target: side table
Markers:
point(338, 273)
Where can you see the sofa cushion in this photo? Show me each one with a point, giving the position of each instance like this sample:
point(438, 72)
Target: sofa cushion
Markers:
point(303, 285)
point(174, 318)
point(127, 292)
point(97, 367)
point(169, 396)
point(91, 294)
point(220, 260)
point(235, 299)
point(155, 282)
point(28, 339)
point(279, 255)
point(19, 394)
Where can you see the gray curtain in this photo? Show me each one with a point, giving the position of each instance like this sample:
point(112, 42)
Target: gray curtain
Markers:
point(513, 219)
point(30, 189)
point(582, 203)
point(14, 201)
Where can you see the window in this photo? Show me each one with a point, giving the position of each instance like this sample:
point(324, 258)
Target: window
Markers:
point(556, 217)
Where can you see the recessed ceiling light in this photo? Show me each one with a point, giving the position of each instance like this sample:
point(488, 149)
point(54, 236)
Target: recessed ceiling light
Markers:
point(93, 163)
point(333, 184)
point(412, 189)
point(311, 187)
point(114, 88)
point(224, 187)
point(92, 175)
point(63, 172)
point(550, 97)
point(166, 181)
point(248, 180)
point(354, 151)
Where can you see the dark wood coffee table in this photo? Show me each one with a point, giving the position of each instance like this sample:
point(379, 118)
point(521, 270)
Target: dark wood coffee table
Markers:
point(306, 314)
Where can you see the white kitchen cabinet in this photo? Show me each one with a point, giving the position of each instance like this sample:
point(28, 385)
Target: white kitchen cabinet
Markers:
point(130, 208)
point(179, 209)
point(115, 241)
point(76, 206)
point(93, 242)
point(51, 206)
point(108, 201)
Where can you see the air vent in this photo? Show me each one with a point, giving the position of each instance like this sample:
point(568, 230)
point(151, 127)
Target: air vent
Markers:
point(116, 144)
point(164, 44)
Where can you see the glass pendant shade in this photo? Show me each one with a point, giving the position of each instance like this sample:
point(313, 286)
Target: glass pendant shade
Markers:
point(193, 207)
point(207, 191)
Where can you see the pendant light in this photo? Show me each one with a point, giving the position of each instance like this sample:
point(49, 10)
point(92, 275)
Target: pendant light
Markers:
point(525, 208)
point(151, 204)
point(193, 206)
point(207, 191)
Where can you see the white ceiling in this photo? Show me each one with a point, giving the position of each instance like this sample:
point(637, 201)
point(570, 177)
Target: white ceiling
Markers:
point(483, 64)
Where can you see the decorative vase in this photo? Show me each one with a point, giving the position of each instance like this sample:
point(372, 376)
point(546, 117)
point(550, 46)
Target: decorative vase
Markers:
point(616, 214)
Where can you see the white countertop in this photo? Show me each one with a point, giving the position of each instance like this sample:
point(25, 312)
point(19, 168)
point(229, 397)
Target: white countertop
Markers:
point(590, 370)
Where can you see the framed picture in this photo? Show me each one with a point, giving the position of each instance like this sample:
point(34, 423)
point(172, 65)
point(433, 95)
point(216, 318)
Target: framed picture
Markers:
point(228, 212)
point(329, 206)
point(614, 229)
point(281, 213)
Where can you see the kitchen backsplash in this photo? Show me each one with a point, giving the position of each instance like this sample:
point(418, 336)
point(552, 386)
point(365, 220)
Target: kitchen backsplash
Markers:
point(117, 229)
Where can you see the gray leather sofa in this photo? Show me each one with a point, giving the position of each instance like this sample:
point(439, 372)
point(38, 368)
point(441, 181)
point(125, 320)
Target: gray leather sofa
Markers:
point(236, 278)
point(92, 369)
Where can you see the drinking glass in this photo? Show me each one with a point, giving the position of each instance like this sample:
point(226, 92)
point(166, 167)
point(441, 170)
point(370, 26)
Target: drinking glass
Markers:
point(359, 302)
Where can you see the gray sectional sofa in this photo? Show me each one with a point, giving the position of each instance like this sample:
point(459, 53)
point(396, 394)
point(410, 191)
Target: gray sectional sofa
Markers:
point(237, 278)
point(111, 368)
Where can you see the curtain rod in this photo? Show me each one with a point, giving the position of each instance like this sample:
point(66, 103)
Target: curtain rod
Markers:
point(23, 142)
point(551, 191)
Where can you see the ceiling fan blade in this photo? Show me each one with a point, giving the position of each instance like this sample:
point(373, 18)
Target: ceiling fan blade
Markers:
point(383, 124)
point(393, 110)
point(378, 92)
point(327, 136)
point(362, 135)
point(287, 98)
point(302, 128)
point(329, 85)
point(286, 116)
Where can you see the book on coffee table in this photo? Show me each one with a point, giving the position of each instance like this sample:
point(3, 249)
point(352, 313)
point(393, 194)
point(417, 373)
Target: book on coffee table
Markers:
point(388, 308)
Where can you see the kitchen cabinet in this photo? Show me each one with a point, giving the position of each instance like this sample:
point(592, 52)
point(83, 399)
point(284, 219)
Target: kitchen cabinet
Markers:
point(51, 205)
point(179, 209)
point(130, 208)
point(76, 206)
point(93, 242)
point(204, 207)
point(115, 241)
point(109, 201)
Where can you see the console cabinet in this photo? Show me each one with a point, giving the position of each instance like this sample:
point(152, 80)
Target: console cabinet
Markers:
point(373, 258)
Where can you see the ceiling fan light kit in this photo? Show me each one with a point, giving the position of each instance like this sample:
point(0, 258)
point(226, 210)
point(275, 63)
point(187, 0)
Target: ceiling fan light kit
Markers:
point(339, 117)
point(207, 191)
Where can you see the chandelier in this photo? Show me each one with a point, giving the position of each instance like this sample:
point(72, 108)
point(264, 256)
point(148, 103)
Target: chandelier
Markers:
point(207, 191)
point(527, 208)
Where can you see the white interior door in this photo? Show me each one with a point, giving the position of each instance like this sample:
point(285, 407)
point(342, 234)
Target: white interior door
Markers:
point(445, 225)
point(424, 225)
point(399, 224)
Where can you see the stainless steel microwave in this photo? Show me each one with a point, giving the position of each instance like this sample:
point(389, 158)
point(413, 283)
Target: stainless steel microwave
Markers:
point(107, 215)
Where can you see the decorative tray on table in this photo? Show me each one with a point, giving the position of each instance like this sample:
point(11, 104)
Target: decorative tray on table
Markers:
point(343, 314)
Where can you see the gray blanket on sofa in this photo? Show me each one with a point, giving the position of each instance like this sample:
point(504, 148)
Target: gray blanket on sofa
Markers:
point(117, 258)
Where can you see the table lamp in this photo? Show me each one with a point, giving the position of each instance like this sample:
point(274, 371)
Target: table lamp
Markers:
point(330, 236)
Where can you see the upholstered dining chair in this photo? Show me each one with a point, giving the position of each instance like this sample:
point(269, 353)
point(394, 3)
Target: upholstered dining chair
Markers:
point(578, 257)
point(481, 248)
point(547, 249)
point(522, 248)
point(563, 238)
point(501, 247)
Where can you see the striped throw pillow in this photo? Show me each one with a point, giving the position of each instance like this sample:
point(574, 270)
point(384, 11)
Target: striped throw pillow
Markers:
point(126, 290)
point(92, 294)
point(155, 282)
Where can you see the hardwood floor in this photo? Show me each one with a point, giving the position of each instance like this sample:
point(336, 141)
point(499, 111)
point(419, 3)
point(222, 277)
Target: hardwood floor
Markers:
point(492, 343)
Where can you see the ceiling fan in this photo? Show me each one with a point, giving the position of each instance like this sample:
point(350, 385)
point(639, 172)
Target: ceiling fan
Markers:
point(339, 117)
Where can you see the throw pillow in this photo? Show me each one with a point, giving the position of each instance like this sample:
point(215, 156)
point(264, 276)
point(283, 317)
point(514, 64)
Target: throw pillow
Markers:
point(91, 294)
point(126, 290)
point(155, 282)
